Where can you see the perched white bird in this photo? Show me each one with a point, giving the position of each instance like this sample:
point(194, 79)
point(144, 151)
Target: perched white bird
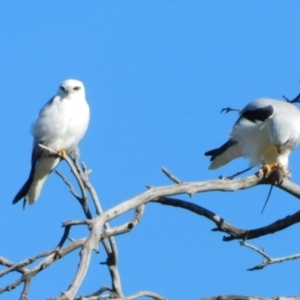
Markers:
point(266, 132)
point(60, 125)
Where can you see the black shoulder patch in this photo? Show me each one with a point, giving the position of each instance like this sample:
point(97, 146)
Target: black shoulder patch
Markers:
point(260, 114)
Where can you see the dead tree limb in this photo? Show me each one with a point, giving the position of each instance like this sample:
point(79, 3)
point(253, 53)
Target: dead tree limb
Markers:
point(101, 232)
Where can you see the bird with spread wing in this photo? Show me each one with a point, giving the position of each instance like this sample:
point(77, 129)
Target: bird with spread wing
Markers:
point(60, 125)
point(267, 131)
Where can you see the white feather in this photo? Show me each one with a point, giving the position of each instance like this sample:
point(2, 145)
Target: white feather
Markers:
point(260, 141)
point(61, 124)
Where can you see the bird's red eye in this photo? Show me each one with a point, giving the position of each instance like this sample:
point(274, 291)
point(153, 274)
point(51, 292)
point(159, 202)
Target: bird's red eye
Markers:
point(76, 88)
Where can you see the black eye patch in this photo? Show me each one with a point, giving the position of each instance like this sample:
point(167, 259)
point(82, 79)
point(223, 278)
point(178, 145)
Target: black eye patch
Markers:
point(62, 88)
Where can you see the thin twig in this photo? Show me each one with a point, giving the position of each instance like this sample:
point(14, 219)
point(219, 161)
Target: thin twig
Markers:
point(84, 201)
point(26, 262)
point(48, 261)
point(171, 176)
point(68, 183)
point(267, 259)
point(143, 294)
point(26, 287)
point(91, 189)
point(112, 251)
point(96, 294)
point(76, 173)
point(127, 226)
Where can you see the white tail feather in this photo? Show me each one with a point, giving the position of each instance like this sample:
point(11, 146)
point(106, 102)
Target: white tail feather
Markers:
point(43, 169)
point(228, 155)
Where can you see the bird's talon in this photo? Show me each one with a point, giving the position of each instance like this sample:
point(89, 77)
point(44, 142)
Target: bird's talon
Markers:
point(62, 154)
point(275, 172)
point(288, 174)
point(268, 169)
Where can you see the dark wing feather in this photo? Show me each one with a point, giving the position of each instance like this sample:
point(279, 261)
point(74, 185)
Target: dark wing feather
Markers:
point(36, 153)
point(218, 151)
point(35, 156)
point(25, 188)
point(260, 114)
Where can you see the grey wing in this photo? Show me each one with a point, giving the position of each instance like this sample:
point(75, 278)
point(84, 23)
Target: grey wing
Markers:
point(36, 153)
point(256, 111)
point(39, 132)
point(40, 128)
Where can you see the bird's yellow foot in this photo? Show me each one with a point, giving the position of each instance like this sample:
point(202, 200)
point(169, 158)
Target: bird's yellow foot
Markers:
point(267, 169)
point(276, 172)
point(62, 153)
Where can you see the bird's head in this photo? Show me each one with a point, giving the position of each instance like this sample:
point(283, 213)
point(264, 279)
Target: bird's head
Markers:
point(71, 87)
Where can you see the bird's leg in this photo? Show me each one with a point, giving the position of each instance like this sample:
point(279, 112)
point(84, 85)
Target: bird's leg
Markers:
point(267, 169)
point(296, 100)
point(228, 109)
point(275, 171)
point(62, 153)
point(238, 173)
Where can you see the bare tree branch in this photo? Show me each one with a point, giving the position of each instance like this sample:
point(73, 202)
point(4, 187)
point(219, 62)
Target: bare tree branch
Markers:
point(143, 294)
point(171, 176)
point(267, 259)
point(101, 232)
point(237, 297)
point(19, 266)
point(224, 226)
point(96, 294)
point(151, 194)
point(68, 183)
point(76, 172)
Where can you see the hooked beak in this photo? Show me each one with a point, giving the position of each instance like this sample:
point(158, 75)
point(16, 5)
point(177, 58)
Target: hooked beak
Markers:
point(280, 148)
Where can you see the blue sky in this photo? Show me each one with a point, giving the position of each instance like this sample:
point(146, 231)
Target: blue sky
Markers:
point(157, 74)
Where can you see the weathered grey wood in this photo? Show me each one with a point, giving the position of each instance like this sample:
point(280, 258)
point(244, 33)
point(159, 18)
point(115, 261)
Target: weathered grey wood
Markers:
point(101, 232)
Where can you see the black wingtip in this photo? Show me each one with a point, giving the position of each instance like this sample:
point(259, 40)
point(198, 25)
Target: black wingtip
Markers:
point(25, 188)
point(19, 196)
point(218, 151)
point(210, 152)
point(213, 153)
point(23, 192)
point(24, 203)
